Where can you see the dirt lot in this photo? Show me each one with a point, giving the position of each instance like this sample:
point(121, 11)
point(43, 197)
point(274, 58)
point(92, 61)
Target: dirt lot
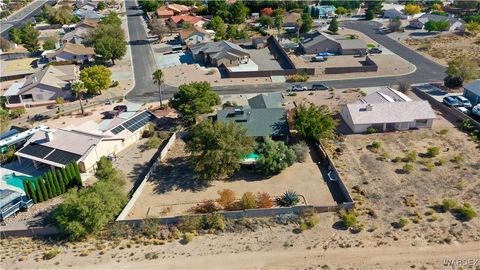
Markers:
point(174, 190)
point(446, 47)
point(332, 99)
point(385, 193)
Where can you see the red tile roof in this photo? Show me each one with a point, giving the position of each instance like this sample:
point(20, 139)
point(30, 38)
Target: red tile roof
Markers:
point(186, 18)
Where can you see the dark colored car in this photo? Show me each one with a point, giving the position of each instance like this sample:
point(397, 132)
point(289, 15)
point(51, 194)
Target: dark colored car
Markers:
point(319, 86)
point(40, 117)
point(121, 108)
point(52, 106)
point(375, 51)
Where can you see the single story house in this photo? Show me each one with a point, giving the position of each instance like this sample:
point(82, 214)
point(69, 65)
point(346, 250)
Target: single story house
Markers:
point(322, 42)
point(42, 87)
point(325, 11)
point(218, 53)
point(472, 91)
point(164, 12)
point(85, 144)
point(87, 14)
point(392, 11)
point(264, 116)
point(194, 35)
point(455, 23)
point(179, 20)
point(290, 19)
point(72, 52)
point(387, 110)
point(79, 31)
point(179, 9)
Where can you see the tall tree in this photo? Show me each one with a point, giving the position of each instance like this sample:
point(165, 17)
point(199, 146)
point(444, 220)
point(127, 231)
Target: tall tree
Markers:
point(27, 190)
point(15, 35)
point(61, 182)
point(275, 156)
point(217, 148)
point(32, 192)
point(78, 89)
point(307, 23)
point(238, 12)
point(38, 189)
point(158, 79)
point(194, 99)
point(314, 122)
point(78, 175)
point(50, 43)
point(278, 23)
point(333, 27)
point(112, 19)
point(110, 48)
point(49, 187)
point(58, 189)
point(29, 36)
point(96, 78)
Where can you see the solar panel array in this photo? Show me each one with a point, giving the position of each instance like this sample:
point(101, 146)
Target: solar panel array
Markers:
point(62, 157)
point(50, 154)
point(134, 123)
point(36, 150)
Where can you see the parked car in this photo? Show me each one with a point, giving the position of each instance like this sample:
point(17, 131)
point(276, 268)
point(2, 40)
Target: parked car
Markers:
point(319, 86)
point(465, 102)
point(375, 51)
point(40, 117)
point(298, 87)
point(451, 101)
point(318, 59)
point(464, 110)
point(476, 110)
point(121, 108)
point(52, 106)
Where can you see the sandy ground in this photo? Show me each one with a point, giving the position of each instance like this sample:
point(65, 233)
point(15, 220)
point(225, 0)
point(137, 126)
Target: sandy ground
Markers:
point(16, 66)
point(173, 189)
point(332, 99)
point(271, 246)
point(446, 47)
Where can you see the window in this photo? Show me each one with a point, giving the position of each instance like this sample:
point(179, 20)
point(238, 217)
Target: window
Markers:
point(421, 122)
point(27, 96)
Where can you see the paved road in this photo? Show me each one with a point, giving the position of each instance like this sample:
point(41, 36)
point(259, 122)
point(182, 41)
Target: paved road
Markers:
point(427, 70)
point(23, 16)
point(144, 63)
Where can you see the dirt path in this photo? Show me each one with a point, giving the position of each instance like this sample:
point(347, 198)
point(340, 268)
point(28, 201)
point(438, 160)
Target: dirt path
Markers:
point(433, 257)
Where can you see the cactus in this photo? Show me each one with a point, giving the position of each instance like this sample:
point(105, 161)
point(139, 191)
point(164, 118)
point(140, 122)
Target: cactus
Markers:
point(289, 198)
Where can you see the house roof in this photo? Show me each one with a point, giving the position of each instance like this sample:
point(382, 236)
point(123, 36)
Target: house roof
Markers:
point(385, 95)
point(163, 11)
point(54, 76)
point(432, 17)
point(76, 35)
point(258, 122)
point(315, 38)
point(186, 18)
point(75, 49)
point(87, 14)
point(268, 100)
point(291, 17)
point(473, 87)
point(219, 50)
point(352, 43)
point(178, 8)
point(186, 33)
point(89, 22)
point(390, 112)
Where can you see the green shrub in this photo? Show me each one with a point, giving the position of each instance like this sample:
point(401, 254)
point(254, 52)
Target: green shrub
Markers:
point(349, 218)
point(188, 237)
point(457, 159)
point(248, 201)
point(301, 151)
point(376, 145)
point(440, 162)
point(213, 222)
point(52, 253)
point(449, 204)
point(298, 78)
point(153, 142)
point(410, 157)
point(467, 212)
point(371, 130)
point(403, 221)
point(433, 151)
point(407, 168)
point(190, 223)
point(443, 131)
point(303, 227)
point(397, 159)
point(429, 166)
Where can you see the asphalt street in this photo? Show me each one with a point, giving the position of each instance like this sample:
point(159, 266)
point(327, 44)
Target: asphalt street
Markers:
point(19, 18)
point(144, 64)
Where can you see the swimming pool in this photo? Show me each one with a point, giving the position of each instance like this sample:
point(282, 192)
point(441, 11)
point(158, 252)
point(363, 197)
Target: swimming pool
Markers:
point(251, 156)
point(16, 180)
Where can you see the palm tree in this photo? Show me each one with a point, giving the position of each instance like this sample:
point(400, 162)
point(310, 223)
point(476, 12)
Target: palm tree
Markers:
point(158, 78)
point(78, 90)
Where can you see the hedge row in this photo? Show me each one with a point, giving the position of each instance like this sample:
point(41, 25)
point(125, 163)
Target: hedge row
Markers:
point(53, 183)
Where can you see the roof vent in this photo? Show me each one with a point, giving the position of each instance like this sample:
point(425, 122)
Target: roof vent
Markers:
point(49, 136)
point(369, 107)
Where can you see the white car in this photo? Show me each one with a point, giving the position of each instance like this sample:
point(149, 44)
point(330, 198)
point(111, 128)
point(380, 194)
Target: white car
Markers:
point(476, 110)
point(464, 110)
point(465, 102)
point(298, 87)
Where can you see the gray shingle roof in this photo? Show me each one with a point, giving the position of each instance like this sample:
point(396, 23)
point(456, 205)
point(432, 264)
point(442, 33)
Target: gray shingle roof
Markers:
point(432, 17)
point(268, 100)
point(258, 122)
point(219, 50)
point(474, 87)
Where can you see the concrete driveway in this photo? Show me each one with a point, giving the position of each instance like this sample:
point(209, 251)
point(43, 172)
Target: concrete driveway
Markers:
point(175, 59)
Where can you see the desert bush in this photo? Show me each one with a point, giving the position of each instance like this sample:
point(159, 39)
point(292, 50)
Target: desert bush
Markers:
point(52, 253)
point(190, 223)
point(289, 198)
point(467, 212)
point(115, 84)
point(443, 131)
point(248, 201)
point(213, 222)
point(449, 204)
point(207, 206)
point(410, 157)
point(301, 151)
point(407, 168)
point(384, 156)
point(298, 78)
point(264, 200)
point(371, 130)
point(376, 145)
point(310, 218)
point(187, 237)
point(349, 218)
point(149, 227)
point(433, 151)
point(439, 162)
point(397, 159)
point(403, 221)
point(429, 166)
point(452, 82)
point(457, 159)
point(151, 255)
point(153, 142)
point(227, 198)
point(303, 227)
point(357, 228)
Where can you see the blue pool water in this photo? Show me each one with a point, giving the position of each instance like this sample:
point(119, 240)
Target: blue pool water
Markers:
point(16, 180)
point(251, 156)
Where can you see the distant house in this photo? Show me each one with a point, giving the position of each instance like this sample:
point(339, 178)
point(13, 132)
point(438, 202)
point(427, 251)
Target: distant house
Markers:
point(72, 52)
point(455, 23)
point(322, 42)
point(290, 19)
point(179, 20)
point(472, 92)
point(264, 116)
point(85, 144)
point(164, 12)
point(179, 9)
point(77, 35)
point(219, 53)
point(87, 14)
point(387, 110)
point(392, 11)
point(42, 87)
point(194, 35)
point(325, 11)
